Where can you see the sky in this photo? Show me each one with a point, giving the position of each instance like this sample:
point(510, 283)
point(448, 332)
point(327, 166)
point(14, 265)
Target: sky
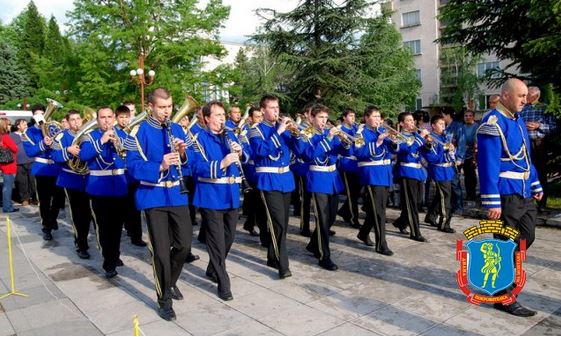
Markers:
point(242, 21)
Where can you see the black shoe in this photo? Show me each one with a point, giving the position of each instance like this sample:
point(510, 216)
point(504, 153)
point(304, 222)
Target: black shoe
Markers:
point(110, 274)
point(447, 230)
point(225, 296)
point(119, 263)
point(139, 243)
point(328, 264)
point(285, 274)
point(430, 222)
point(386, 252)
point(83, 254)
point(356, 225)
point(515, 309)
point(365, 239)
point(253, 232)
point(167, 313)
point(175, 293)
point(212, 277)
point(316, 253)
point(272, 264)
point(47, 236)
point(419, 238)
point(306, 232)
point(191, 257)
point(332, 233)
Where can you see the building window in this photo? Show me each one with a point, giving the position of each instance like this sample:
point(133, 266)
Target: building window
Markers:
point(410, 19)
point(418, 74)
point(419, 104)
point(483, 103)
point(414, 46)
point(483, 68)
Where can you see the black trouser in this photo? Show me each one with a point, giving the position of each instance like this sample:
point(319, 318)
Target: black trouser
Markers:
point(519, 213)
point(457, 193)
point(50, 198)
point(325, 210)
point(251, 202)
point(133, 222)
point(349, 210)
point(409, 192)
point(220, 231)
point(276, 212)
point(109, 217)
point(539, 159)
point(190, 185)
point(441, 205)
point(375, 200)
point(170, 232)
point(305, 199)
point(262, 220)
point(25, 182)
point(81, 215)
point(470, 178)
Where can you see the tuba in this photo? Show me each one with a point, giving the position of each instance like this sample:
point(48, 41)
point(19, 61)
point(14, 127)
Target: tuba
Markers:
point(51, 128)
point(188, 106)
point(136, 121)
point(75, 163)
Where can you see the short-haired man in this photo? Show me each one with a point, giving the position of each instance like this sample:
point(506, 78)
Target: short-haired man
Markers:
point(470, 131)
point(234, 117)
point(493, 100)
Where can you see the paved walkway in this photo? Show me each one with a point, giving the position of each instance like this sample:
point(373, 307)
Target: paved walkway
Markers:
point(411, 293)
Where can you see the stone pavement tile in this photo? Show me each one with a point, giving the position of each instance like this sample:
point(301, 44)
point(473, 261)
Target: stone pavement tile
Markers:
point(445, 330)
point(6, 328)
point(261, 302)
point(74, 327)
point(437, 309)
point(347, 305)
point(156, 328)
point(485, 320)
point(348, 329)
point(41, 315)
point(36, 295)
point(301, 320)
point(212, 319)
point(302, 289)
point(195, 299)
point(394, 321)
point(550, 326)
point(109, 319)
point(541, 295)
point(253, 328)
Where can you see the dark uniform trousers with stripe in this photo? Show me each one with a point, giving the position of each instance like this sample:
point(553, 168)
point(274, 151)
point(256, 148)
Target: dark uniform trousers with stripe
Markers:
point(520, 213)
point(441, 205)
point(81, 214)
point(409, 217)
point(109, 219)
point(133, 222)
point(305, 199)
point(276, 217)
point(51, 197)
point(349, 209)
point(375, 200)
point(220, 231)
point(168, 227)
point(325, 210)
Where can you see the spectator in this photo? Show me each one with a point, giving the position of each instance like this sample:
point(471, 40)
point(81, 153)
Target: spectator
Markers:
point(8, 169)
point(470, 130)
point(25, 182)
point(455, 135)
point(493, 100)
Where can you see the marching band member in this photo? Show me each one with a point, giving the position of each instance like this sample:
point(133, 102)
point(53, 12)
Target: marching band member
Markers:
point(320, 150)
point(157, 161)
point(234, 117)
point(509, 182)
point(374, 153)
point(217, 191)
point(74, 183)
point(107, 186)
point(348, 165)
point(133, 222)
point(270, 146)
point(45, 171)
point(411, 175)
point(441, 169)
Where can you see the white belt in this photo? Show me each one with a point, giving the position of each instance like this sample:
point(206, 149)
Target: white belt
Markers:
point(268, 169)
point(104, 173)
point(317, 168)
point(414, 165)
point(375, 163)
point(444, 165)
point(515, 175)
point(225, 180)
point(44, 160)
point(167, 183)
point(73, 172)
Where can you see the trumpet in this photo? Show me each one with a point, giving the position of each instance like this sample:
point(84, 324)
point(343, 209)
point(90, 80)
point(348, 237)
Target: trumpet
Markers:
point(342, 135)
point(118, 143)
point(167, 125)
point(399, 137)
point(292, 126)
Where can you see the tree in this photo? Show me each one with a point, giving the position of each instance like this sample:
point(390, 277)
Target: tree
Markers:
point(459, 83)
point(30, 29)
point(12, 75)
point(172, 36)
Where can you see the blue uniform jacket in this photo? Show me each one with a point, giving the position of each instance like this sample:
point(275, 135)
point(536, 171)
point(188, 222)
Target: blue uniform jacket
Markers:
point(503, 158)
point(107, 168)
point(34, 146)
point(146, 148)
point(441, 162)
point(122, 134)
point(321, 154)
point(271, 154)
point(215, 188)
point(349, 163)
point(299, 166)
point(409, 158)
point(374, 162)
point(67, 178)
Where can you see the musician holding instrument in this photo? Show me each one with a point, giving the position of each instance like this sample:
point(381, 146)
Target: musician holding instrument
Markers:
point(441, 170)
point(321, 148)
point(374, 154)
point(38, 145)
point(271, 144)
point(157, 153)
point(107, 186)
point(66, 149)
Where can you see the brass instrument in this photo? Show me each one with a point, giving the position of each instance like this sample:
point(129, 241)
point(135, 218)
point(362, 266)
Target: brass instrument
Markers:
point(75, 163)
point(344, 137)
point(400, 137)
point(136, 121)
point(51, 128)
point(359, 138)
point(292, 126)
point(188, 105)
point(167, 125)
point(118, 144)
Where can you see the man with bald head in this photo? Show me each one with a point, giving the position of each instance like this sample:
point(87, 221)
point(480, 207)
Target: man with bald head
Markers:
point(509, 182)
point(540, 125)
